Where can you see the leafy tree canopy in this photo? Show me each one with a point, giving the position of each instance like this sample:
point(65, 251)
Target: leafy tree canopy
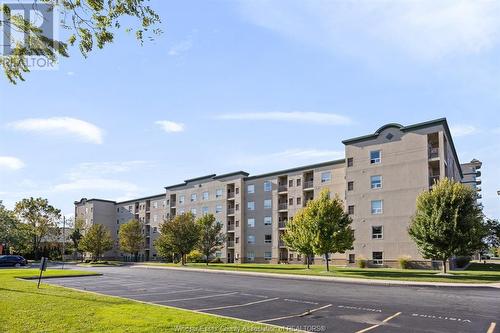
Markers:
point(97, 241)
point(211, 236)
point(131, 237)
point(300, 233)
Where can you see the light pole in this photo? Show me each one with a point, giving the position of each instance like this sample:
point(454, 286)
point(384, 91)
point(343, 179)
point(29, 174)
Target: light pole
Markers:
point(63, 240)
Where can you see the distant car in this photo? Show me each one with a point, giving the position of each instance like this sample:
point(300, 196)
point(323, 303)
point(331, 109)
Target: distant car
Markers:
point(12, 260)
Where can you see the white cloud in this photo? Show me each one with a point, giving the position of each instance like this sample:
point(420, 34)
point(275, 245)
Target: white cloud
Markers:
point(97, 169)
point(496, 130)
point(302, 117)
point(61, 125)
point(170, 126)
point(425, 29)
point(10, 163)
point(180, 47)
point(96, 184)
point(462, 130)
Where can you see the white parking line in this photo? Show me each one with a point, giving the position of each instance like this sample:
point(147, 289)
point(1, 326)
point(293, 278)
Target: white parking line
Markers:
point(377, 325)
point(299, 301)
point(295, 315)
point(491, 329)
point(238, 305)
point(200, 297)
point(165, 293)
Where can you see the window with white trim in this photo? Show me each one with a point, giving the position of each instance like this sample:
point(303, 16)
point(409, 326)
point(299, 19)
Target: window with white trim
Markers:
point(193, 197)
point(268, 186)
point(268, 255)
point(251, 223)
point(251, 239)
point(326, 176)
point(218, 208)
point(377, 232)
point(218, 193)
point(250, 256)
point(268, 239)
point(268, 220)
point(377, 207)
point(267, 203)
point(375, 157)
point(251, 205)
point(205, 195)
point(251, 188)
point(378, 258)
point(376, 182)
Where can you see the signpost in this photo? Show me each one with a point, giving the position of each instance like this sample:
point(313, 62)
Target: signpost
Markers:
point(43, 267)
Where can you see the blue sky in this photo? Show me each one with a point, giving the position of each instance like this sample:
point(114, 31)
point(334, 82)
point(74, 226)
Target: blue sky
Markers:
point(228, 81)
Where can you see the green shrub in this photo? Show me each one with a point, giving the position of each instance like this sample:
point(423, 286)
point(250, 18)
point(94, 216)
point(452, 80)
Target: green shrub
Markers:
point(461, 262)
point(404, 262)
point(362, 263)
point(195, 256)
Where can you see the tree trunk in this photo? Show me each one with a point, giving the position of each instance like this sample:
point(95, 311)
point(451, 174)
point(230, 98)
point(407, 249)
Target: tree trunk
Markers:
point(327, 263)
point(444, 265)
point(307, 261)
point(183, 262)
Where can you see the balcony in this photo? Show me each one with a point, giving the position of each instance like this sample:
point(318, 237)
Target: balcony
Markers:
point(433, 152)
point(309, 184)
point(230, 211)
point(282, 224)
point(230, 195)
point(282, 188)
point(282, 206)
point(230, 244)
point(230, 227)
point(281, 243)
point(432, 180)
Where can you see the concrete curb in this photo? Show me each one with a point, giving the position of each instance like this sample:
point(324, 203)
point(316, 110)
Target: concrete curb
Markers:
point(57, 277)
point(332, 279)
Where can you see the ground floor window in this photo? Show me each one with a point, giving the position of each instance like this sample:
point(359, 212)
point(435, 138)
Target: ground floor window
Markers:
point(352, 258)
point(377, 258)
point(250, 256)
point(268, 255)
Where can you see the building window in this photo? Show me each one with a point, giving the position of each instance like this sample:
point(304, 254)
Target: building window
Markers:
point(237, 207)
point(267, 203)
point(377, 207)
point(129, 208)
point(237, 223)
point(218, 193)
point(268, 255)
point(181, 199)
point(204, 210)
point(290, 183)
point(236, 240)
point(155, 230)
point(251, 223)
point(290, 256)
point(251, 239)
point(268, 239)
point(193, 211)
point(350, 209)
point(218, 254)
point(155, 204)
point(299, 181)
point(155, 218)
point(218, 208)
point(326, 177)
point(118, 210)
point(251, 205)
point(250, 256)
point(117, 221)
point(375, 157)
point(352, 258)
point(237, 190)
point(376, 182)
point(251, 189)
point(377, 232)
point(193, 197)
point(268, 220)
point(181, 211)
point(350, 186)
point(299, 201)
point(268, 186)
point(377, 258)
point(205, 196)
point(350, 162)
point(290, 201)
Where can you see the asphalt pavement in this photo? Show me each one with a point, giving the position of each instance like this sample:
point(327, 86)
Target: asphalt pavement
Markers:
point(316, 306)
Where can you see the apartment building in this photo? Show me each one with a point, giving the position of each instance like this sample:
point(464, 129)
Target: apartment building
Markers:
point(379, 180)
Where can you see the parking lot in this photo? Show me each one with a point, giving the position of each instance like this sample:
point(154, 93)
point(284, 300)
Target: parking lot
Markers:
point(307, 305)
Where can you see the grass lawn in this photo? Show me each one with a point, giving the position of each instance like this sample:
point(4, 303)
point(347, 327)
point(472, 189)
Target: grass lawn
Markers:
point(24, 308)
point(477, 273)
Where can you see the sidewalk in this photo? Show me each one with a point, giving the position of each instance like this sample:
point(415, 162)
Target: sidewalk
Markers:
point(331, 279)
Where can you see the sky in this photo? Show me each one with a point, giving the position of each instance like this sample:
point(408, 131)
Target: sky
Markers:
point(251, 85)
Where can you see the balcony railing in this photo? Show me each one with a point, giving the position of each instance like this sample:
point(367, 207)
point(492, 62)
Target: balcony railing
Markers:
point(282, 188)
point(281, 243)
point(432, 180)
point(433, 152)
point(282, 206)
point(230, 243)
point(230, 195)
point(230, 211)
point(282, 224)
point(230, 227)
point(308, 184)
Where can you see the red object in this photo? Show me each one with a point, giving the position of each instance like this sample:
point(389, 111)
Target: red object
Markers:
point(1, 248)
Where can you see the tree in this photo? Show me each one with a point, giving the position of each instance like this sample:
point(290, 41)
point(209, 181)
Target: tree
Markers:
point(180, 235)
point(13, 233)
point(332, 225)
point(131, 238)
point(40, 217)
point(299, 234)
point(89, 23)
point(447, 222)
point(211, 238)
point(76, 235)
point(96, 241)
point(492, 239)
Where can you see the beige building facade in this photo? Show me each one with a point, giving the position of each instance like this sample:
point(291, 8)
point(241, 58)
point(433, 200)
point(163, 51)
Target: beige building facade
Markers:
point(379, 180)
